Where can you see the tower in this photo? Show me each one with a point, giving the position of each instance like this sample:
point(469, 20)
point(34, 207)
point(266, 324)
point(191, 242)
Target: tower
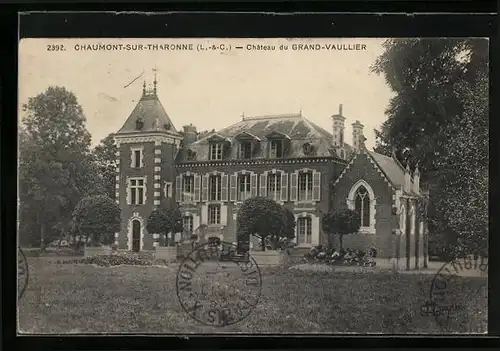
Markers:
point(147, 144)
point(358, 139)
point(338, 128)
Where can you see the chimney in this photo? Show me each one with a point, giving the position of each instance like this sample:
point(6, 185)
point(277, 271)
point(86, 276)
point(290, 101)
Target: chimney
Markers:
point(190, 135)
point(407, 178)
point(416, 181)
point(338, 128)
point(358, 138)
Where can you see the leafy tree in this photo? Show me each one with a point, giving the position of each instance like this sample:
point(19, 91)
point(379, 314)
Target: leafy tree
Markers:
point(164, 219)
point(465, 193)
point(340, 222)
point(262, 217)
point(55, 166)
point(97, 218)
point(105, 158)
point(437, 118)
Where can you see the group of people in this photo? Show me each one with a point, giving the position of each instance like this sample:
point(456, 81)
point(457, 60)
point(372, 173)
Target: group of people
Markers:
point(327, 255)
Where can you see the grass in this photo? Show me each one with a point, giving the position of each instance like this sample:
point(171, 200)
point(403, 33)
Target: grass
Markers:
point(70, 298)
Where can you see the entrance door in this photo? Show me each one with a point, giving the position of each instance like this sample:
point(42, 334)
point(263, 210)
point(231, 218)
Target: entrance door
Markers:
point(136, 235)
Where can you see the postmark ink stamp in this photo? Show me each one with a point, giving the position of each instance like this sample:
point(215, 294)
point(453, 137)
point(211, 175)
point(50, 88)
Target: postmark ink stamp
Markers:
point(215, 292)
point(447, 303)
point(22, 273)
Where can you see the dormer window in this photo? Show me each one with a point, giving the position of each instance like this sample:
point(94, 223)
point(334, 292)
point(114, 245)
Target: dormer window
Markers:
point(139, 123)
point(245, 149)
point(276, 149)
point(216, 151)
point(278, 144)
point(248, 145)
point(218, 147)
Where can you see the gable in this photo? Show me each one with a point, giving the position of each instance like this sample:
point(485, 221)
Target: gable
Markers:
point(363, 167)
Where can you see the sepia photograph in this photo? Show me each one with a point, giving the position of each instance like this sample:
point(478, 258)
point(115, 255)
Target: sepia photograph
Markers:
point(257, 186)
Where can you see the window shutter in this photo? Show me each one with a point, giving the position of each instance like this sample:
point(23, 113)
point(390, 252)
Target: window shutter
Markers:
point(316, 186)
point(178, 185)
point(263, 185)
point(232, 190)
point(204, 214)
point(315, 230)
point(223, 193)
point(284, 186)
point(204, 188)
point(293, 186)
point(223, 215)
point(253, 184)
point(128, 190)
point(197, 187)
point(141, 158)
point(196, 222)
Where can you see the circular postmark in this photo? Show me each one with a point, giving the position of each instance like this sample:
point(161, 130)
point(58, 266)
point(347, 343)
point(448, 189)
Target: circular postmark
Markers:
point(218, 292)
point(458, 294)
point(22, 273)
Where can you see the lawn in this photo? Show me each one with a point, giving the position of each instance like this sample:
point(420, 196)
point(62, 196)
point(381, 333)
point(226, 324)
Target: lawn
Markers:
point(71, 298)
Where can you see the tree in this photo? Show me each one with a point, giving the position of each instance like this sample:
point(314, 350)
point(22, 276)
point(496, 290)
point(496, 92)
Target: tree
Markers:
point(55, 166)
point(465, 192)
point(105, 158)
point(340, 222)
point(97, 218)
point(262, 217)
point(164, 219)
point(438, 119)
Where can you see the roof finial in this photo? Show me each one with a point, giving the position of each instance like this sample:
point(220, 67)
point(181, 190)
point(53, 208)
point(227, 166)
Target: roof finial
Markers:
point(144, 88)
point(154, 81)
point(340, 110)
point(243, 115)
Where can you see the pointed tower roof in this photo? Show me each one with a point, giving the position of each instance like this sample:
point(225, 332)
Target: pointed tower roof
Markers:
point(151, 113)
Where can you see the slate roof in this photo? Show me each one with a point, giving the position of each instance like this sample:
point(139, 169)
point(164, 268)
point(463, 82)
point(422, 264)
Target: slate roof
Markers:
point(149, 108)
point(393, 170)
point(298, 128)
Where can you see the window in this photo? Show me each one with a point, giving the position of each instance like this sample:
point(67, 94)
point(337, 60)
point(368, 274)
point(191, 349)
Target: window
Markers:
point(168, 190)
point(305, 186)
point(245, 150)
point(412, 219)
point(304, 230)
point(188, 188)
point(136, 158)
point(276, 149)
point(187, 223)
point(244, 187)
point(362, 206)
point(216, 151)
point(137, 191)
point(214, 187)
point(402, 219)
point(214, 214)
point(274, 186)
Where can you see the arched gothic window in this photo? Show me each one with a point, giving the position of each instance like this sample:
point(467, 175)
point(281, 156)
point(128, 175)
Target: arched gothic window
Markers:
point(362, 205)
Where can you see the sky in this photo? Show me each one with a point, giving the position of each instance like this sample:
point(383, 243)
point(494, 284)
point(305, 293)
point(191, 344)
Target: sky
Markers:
point(212, 89)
